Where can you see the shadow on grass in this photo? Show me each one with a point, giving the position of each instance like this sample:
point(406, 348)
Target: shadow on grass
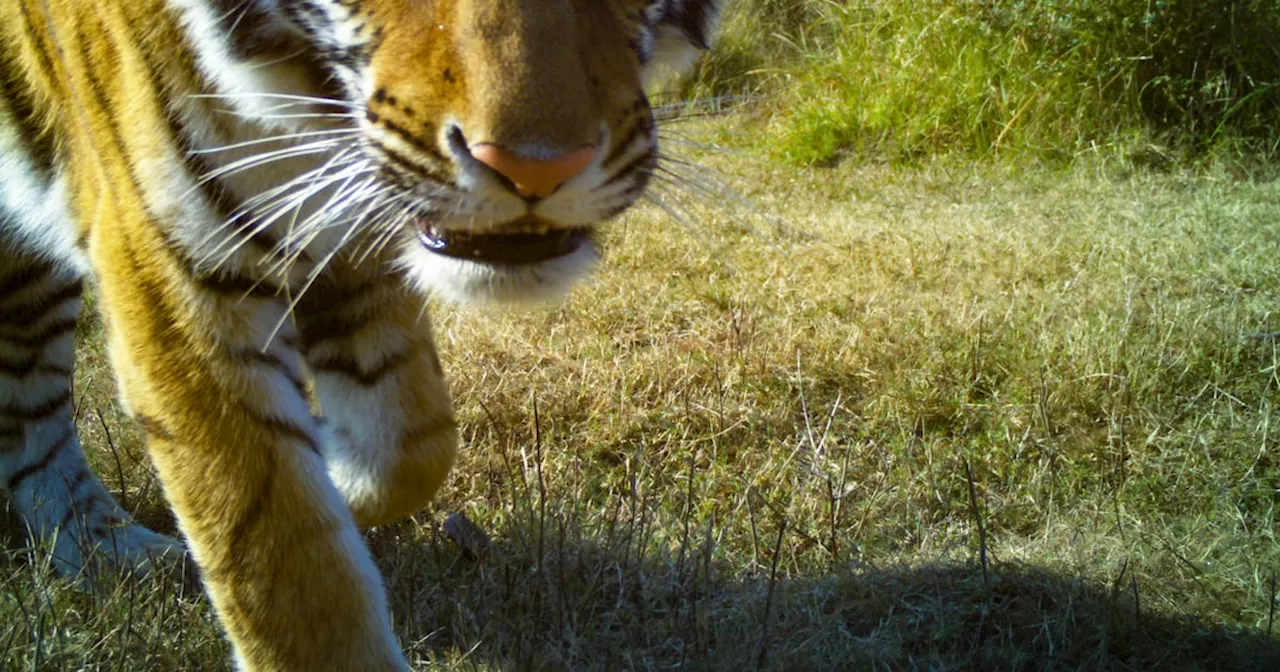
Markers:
point(545, 597)
point(542, 597)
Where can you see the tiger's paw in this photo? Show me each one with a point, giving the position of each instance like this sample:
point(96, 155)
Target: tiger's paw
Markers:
point(101, 543)
point(116, 549)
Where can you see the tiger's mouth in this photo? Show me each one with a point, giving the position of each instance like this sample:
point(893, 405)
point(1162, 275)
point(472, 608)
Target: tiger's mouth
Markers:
point(526, 241)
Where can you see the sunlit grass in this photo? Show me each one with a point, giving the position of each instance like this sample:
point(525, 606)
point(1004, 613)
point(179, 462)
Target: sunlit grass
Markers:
point(788, 441)
point(1050, 79)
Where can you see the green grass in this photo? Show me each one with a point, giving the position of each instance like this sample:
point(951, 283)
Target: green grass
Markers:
point(790, 441)
point(1049, 79)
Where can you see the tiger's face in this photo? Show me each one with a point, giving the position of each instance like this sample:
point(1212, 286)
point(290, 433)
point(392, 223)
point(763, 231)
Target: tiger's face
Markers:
point(503, 131)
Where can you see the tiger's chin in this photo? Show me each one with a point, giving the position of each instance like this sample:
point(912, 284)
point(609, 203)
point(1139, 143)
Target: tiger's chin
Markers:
point(525, 263)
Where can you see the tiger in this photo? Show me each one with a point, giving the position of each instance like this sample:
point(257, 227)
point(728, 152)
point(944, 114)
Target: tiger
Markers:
point(264, 197)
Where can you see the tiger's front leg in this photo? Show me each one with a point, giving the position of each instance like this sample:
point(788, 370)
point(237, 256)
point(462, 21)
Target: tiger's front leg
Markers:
point(390, 431)
point(240, 458)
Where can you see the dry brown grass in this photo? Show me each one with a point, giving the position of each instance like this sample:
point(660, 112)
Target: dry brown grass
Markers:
point(946, 418)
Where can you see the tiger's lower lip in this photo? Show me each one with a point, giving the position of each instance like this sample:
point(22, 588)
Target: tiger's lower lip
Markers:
point(505, 248)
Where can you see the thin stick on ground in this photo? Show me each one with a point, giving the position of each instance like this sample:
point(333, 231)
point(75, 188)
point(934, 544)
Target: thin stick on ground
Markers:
point(977, 519)
point(768, 600)
point(1271, 606)
point(115, 454)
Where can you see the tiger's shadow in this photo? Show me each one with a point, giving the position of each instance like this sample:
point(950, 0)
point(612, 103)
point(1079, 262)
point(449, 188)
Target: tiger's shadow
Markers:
point(548, 593)
point(548, 596)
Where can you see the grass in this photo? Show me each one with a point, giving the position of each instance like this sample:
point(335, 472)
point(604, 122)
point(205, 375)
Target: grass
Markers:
point(954, 417)
point(1047, 79)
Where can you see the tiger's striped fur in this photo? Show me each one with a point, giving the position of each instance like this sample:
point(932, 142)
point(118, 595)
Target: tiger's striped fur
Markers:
point(264, 190)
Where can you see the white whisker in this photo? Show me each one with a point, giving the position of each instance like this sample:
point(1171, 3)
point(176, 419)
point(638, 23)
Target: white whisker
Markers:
point(263, 220)
point(262, 211)
point(335, 102)
point(276, 138)
point(262, 159)
point(300, 115)
point(277, 61)
point(321, 265)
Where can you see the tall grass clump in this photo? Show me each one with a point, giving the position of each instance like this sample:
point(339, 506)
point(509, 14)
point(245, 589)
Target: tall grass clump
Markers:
point(905, 78)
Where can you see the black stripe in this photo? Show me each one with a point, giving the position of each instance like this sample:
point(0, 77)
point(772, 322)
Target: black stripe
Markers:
point(153, 427)
point(99, 92)
point(628, 196)
point(341, 364)
point(281, 427)
point(354, 57)
point(406, 165)
point(37, 140)
point(22, 474)
point(408, 137)
point(55, 329)
point(76, 482)
point(334, 296)
point(275, 363)
point(230, 283)
point(31, 365)
point(29, 275)
point(179, 136)
point(35, 38)
point(224, 205)
point(222, 281)
point(79, 506)
point(36, 307)
point(322, 318)
point(620, 147)
point(646, 160)
point(330, 328)
point(253, 514)
point(267, 241)
point(693, 18)
point(246, 27)
point(278, 426)
point(40, 412)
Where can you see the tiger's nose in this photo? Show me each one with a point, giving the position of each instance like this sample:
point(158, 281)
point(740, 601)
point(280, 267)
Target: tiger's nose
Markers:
point(534, 178)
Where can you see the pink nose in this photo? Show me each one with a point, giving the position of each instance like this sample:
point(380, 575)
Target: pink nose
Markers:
point(533, 178)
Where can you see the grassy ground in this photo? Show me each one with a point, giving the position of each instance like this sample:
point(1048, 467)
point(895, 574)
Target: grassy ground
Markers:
point(947, 418)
